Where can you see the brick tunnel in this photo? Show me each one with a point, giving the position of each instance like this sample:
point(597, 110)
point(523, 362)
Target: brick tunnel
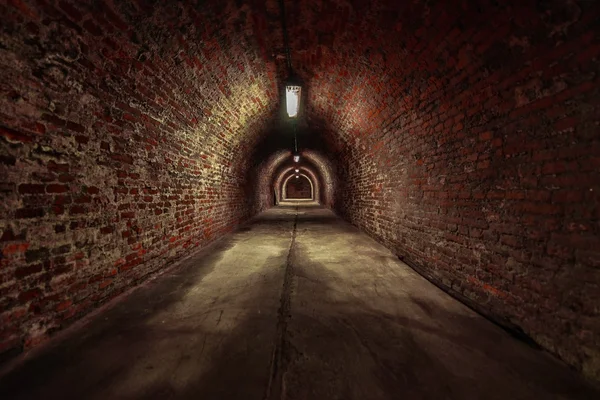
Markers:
point(427, 225)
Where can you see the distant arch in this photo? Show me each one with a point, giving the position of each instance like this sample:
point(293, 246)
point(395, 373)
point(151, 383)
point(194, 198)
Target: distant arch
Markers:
point(285, 194)
point(281, 180)
point(271, 173)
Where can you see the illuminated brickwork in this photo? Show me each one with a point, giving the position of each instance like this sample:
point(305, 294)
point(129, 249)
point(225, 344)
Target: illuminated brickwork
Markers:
point(464, 138)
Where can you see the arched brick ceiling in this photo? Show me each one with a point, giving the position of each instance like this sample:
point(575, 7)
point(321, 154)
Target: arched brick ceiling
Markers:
point(192, 63)
point(461, 134)
point(371, 67)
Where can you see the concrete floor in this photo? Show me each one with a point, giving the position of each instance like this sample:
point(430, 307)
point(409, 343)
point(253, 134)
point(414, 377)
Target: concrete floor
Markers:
point(296, 305)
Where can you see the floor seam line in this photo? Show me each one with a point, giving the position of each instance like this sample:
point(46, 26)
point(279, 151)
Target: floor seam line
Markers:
point(277, 369)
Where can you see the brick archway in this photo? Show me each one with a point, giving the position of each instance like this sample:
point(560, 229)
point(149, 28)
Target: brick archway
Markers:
point(298, 187)
point(313, 177)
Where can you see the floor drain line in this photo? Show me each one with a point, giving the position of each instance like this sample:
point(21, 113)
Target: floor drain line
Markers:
point(280, 352)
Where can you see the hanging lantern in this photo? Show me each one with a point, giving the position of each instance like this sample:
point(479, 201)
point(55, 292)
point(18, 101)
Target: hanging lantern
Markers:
point(297, 177)
point(296, 157)
point(292, 99)
point(296, 170)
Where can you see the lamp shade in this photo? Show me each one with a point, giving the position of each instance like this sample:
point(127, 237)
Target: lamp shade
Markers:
point(292, 99)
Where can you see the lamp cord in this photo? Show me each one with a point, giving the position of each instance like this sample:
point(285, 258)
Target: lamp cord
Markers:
point(288, 58)
point(286, 42)
point(295, 140)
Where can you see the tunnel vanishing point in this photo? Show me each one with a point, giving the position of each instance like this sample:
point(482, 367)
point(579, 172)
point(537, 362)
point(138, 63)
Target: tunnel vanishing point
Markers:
point(417, 217)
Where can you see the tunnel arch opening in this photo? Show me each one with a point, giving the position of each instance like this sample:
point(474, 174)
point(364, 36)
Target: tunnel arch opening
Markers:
point(298, 186)
point(270, 174)
point(289, 171)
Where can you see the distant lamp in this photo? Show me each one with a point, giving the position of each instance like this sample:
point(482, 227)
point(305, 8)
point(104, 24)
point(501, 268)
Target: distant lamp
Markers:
point(296, 170)
point(292, 99)
point(297, 177)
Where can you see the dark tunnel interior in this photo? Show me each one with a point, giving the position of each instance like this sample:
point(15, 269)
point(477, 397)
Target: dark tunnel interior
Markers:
point(463, 137)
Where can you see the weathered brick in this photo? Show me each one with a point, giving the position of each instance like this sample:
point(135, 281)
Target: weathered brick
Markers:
point(25, 271)
point(37, 254)
point(106, 230)
point(31, 188)
point(56, 188)
point(29, 213)
point(29, 295)
point(411, 137)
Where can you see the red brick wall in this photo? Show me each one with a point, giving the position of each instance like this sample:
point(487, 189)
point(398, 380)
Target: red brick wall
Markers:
point(326, 181)
point(122, 134)
point(467, 140)
point(464, 137)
